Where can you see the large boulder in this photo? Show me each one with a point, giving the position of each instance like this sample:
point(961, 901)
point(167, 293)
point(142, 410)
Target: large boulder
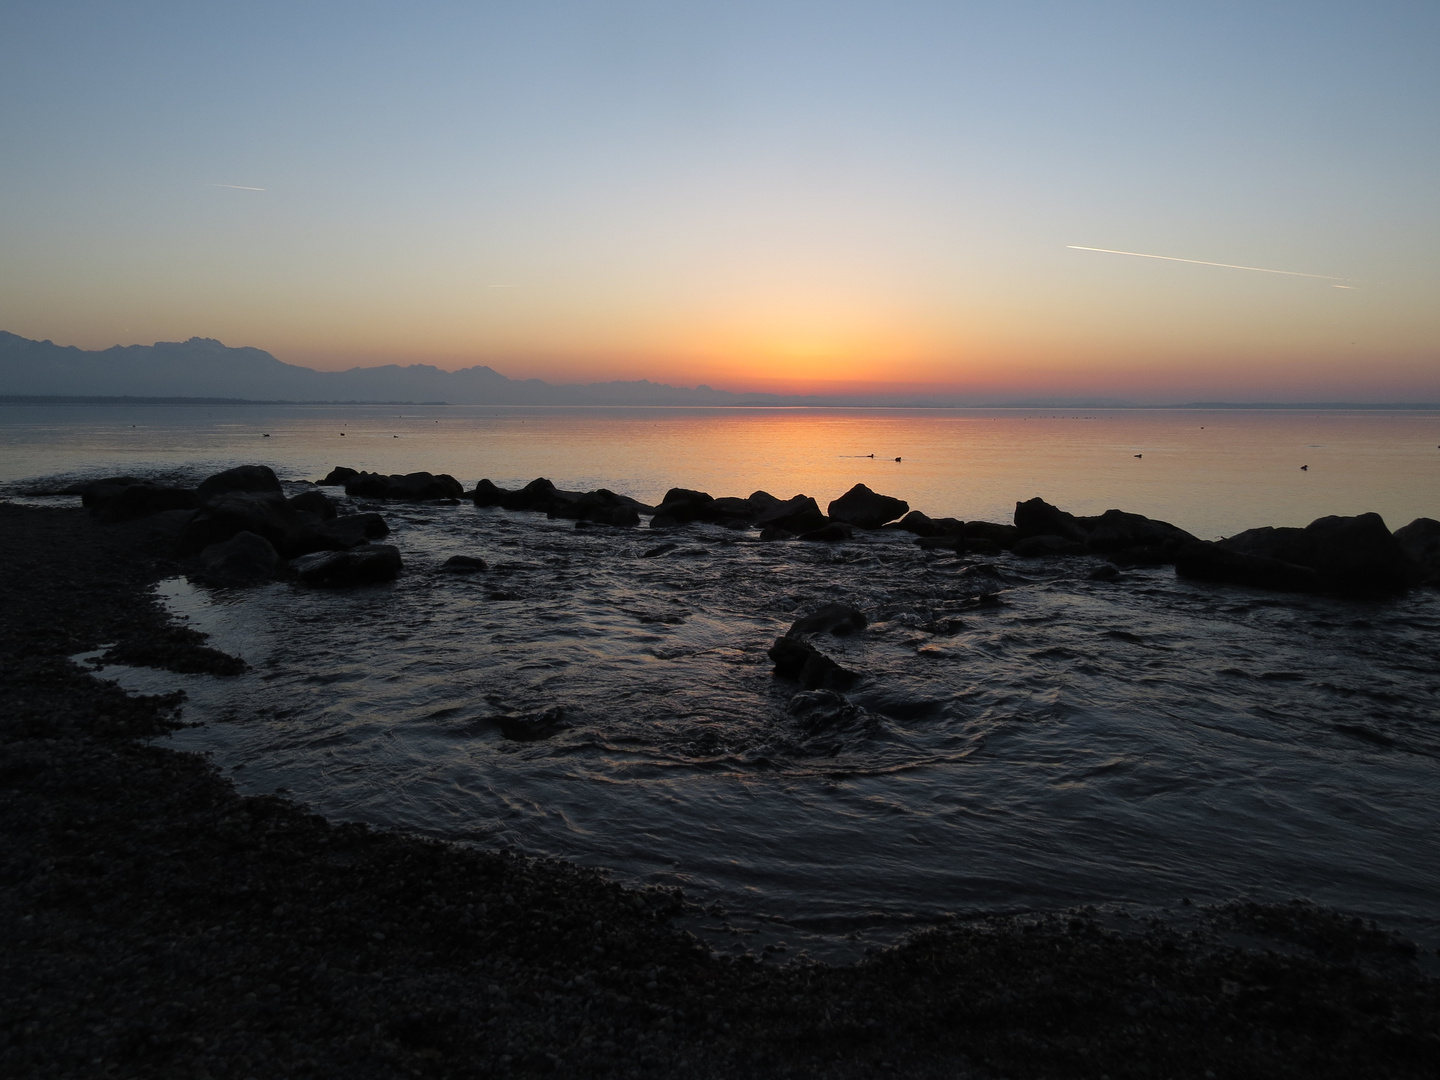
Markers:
point(411, 487)
point(798, 515)
point(864, 509)
point(1004, 537)
point(1116, 530)
point(293, 532)
point(315, 502)
point(1202, 560)
point(1036, 517)
point(682, 505)
point(139, 501)
point(1289, 545)
point(350, 530)
point(602, 506)
point(1421, 541)
point(921, 524)
point(1359, 554)
point(249, 478)
point(95, 493)
point(341, 569)
point(339, 476)
point(244, 559)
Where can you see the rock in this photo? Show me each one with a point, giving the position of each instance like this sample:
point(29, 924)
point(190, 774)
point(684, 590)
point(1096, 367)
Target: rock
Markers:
point(1104, 572)
point(486, 493)
point(799, 660)
point(798, 515)
point(830, 534)
point(821, 710)
point(774, 532)
point(352, 530)
point(864, 509)
point(1004, 537)
point(658, 550)
point(244, 559)
point(1036, 517)
point(1421, 541)
point(315, 502)
point(1337, 554)
point(224, 515)
point(1202, 560)
point(1294, 546)
point(681, 505)
point(252, 478)
point(1116, 530)
point(837, 619)
point(411, 487)
point(339, 477)
point(923, 525)
point(941, 543)
point(602, 506)
point(1359, 554)
point(139, 501)
point(463, 564)
point(95, 493)
point(1048, 546)
point(342, 569)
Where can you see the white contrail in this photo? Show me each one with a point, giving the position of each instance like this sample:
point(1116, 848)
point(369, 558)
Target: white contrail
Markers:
point(1202, 262)
point(237, 187)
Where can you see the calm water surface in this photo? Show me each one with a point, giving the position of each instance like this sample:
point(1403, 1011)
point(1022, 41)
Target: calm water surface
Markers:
point(1132, 742)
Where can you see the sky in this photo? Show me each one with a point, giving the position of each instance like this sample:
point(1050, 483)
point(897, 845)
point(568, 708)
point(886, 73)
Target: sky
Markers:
point(786, 195)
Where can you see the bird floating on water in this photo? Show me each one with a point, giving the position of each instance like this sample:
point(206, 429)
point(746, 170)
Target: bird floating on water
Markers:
point(1139, 455)
point(1304, 468)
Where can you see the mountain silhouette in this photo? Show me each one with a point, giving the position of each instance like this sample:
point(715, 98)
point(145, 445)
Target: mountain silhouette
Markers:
point(206, 368)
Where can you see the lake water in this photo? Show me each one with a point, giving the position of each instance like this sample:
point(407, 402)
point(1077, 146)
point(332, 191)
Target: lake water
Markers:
point(1211, 472)
point(1126, 743)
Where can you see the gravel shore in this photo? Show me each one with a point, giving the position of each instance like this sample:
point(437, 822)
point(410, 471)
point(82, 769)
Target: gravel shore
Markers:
point(156, 923)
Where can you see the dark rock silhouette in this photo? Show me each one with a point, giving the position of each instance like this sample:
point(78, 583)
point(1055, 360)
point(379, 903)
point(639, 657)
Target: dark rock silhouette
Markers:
point(829, 534)
point(837, 619)
point(865, 509)
point(244, 559)
point(1202, 560)
point(542, 496)
point(1421, 541)
point(411, 487)
point(463, 564)
point(921, 524)
point(343, 569)
point(1048, 545)
point(800, 514)
point(112, 506)
point(257, 478)
point(797, 659)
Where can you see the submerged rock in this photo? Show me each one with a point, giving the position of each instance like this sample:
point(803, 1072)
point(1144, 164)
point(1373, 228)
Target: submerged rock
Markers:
point(463, 564)
point(799, 660)
point(865, 509)
point(823, 710)
point(837, 619)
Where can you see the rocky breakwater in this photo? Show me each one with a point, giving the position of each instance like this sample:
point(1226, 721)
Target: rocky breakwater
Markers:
point(1042, 529)
point(1354, 555)
point(238, 527)
point(599, 507)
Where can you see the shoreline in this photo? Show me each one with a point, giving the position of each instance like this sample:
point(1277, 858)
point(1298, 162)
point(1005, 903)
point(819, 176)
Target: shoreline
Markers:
point(165, 925)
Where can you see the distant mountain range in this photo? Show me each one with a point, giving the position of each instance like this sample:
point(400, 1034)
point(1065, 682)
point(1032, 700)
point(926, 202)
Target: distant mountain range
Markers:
point(203, 368)
point(206, 369)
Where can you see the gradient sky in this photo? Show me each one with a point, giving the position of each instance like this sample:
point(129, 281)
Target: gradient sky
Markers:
point(779, 195)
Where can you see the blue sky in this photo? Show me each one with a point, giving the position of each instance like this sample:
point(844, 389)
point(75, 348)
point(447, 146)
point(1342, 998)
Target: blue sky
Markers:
point(794, 195)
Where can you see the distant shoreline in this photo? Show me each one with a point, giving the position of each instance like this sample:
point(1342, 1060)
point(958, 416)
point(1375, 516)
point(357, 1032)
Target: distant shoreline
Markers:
point(1276, 406)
